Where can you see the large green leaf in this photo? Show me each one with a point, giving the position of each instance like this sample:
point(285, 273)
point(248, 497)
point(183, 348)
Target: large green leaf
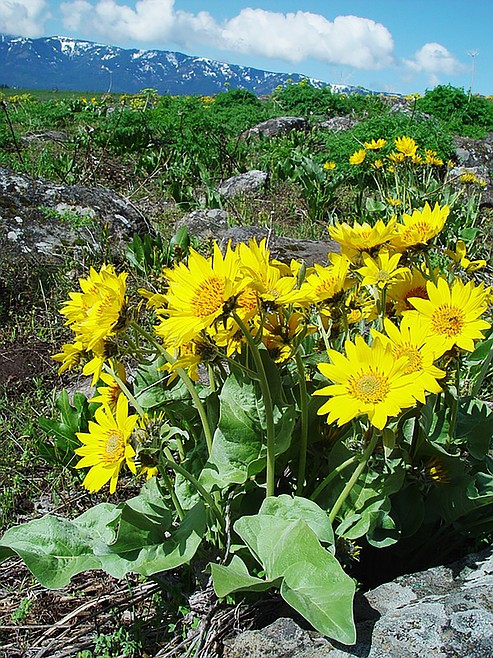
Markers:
point(293, 508)
point(313, 582)
point(236, 578)
point(136, 537)
point(56, 549)
point(475, 423)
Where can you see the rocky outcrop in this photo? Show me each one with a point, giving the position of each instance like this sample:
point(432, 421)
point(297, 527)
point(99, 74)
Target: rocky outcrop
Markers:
point(476, 156)
point(276, 127)
point(41, 220)
point(210, 225)
point(438, 613)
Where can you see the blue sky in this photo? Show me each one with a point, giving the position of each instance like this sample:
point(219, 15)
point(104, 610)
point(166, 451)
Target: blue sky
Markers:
point(403, 46)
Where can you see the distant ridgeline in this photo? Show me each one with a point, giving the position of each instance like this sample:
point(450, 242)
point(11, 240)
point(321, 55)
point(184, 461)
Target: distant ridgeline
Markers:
point(72, 65)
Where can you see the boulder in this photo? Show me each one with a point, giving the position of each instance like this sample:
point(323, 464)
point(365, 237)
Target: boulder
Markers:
point(251, 181)
point(208, 225)
point(476, 156)
point(276, 127)
point(40, 219)
point(337, 123)
point(441, 612)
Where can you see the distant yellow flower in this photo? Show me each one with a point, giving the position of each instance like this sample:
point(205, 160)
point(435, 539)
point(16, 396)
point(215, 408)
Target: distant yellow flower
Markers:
point(396, 158)
point(383, 270)
point(406, 145)
point(107, 446)
point(417, 159)
point(459, 256)
point(328, 166)
point(393, 202)
point(362, 237)
point(470, 178)
point(378, 164)
point(375, 145)
point(433, 159)
point(358, 157)
point(454, 313)
point(420, 227)
point(367, 381)
point(412, 340)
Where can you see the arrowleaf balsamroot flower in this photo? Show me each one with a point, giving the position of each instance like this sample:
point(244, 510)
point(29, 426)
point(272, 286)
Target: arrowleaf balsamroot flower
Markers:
point(420, 227)
point(199, 294)
point(367, 381)
point(383, 270)
point(412, 340)
point(358, 157)
point(362, 237)
point(96, 313)
point(406, 145)
point(107, 446)
point(375, 144)
point(453, 313)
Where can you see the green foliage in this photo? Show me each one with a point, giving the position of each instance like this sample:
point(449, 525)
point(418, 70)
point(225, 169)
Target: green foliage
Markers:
point(462, 113)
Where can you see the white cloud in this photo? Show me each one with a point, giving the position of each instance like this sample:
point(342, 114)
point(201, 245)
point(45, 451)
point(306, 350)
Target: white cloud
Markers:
point(23, 17)
point(293, 37)
point(434, 59)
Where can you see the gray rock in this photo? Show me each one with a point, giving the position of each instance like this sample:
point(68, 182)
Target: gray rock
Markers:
point(41, 220)
point(443, 612)
point(276, 127)
point(476, 156)
point(337, 123)
point(251, 181)
point(210, 225)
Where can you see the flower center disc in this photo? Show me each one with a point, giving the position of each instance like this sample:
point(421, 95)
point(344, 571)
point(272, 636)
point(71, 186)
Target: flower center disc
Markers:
point(447, 320)
point(369, 387)
point(209, 297)
point(414, 358)
point(114, 448)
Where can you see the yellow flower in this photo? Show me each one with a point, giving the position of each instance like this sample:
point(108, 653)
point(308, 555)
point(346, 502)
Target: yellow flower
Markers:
point(108, 395)
point(406, 145)
point(383, 270)
point(396, 158)
point(280, 334)
point(358, 238)
point(401, 291)
point(453, 313)
point(107, 446)
point(357, 157)
point(375, 145)
point(327, 282)
point(360, 305)
point(432, 158)
point(420, 227)
point(98, 311)
point(328, 166)
point(70, 356)
point(469, 178)
point(417, 159)
point(378, 164)
point(393, 202)
point(459, 257)
point(367, 381)
point(200, 293)
point(412, 340)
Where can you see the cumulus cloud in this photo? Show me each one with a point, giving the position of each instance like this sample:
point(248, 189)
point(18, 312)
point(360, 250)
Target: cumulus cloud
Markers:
point(23, 17)
point(434, 59)
point(293, 37)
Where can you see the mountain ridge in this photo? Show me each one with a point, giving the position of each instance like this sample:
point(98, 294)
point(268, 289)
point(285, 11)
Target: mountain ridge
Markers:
point(78, 65)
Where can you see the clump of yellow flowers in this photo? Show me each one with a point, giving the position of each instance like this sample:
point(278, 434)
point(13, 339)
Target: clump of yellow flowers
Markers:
point(377, 315)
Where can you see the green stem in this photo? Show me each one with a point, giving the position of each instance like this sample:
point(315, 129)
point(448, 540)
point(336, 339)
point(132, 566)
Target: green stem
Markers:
point(338, 469)
point(269, 416)
point(186, 380)
point(178, 468)
point(482, 374)
point(304, 424)
point(455, 403)
point(130, 397)
point(171, 490)
point(354, 477)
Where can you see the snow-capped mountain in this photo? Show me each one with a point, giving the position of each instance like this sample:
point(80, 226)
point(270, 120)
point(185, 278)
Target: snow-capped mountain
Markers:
point(69, 64)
